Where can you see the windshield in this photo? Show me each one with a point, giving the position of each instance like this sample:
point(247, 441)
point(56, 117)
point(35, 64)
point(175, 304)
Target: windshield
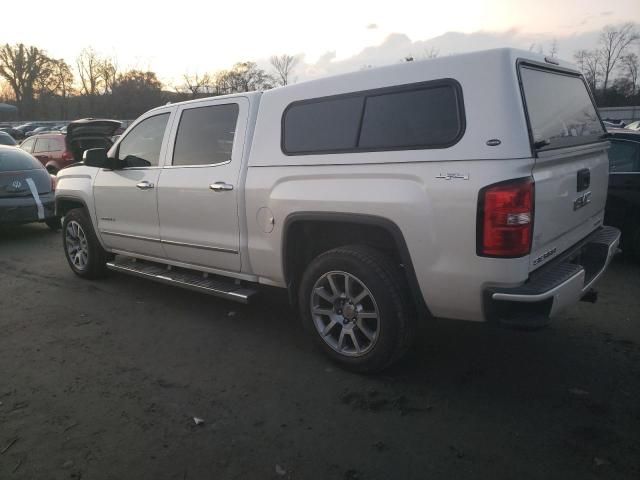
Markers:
point(561, 112)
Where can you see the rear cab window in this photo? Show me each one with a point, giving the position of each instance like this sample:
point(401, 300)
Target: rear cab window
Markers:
point(559, 108)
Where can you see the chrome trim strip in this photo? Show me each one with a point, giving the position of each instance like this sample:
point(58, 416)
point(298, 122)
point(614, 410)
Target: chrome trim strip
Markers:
point(169, 242)
point(126, 235)
point(201, 247)
point(226, 162)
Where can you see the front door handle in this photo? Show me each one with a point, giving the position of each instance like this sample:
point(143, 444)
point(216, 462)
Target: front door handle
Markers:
point(144, 185)
point(220, 187)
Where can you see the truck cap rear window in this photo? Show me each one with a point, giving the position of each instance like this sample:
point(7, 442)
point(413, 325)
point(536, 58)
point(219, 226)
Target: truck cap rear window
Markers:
point(560, 110)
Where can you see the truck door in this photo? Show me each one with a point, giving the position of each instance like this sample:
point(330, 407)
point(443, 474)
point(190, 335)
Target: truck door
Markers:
point(126, 199)
point(198, 188)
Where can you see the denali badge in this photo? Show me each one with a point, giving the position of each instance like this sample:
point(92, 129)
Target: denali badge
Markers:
point(582, 200)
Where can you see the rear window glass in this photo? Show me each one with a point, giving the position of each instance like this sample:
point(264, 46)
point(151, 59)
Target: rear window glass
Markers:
point(322, 126)
point(205, 135)
point(12, 159)
point(560, 109)
point(425, 115)
point(407, 119)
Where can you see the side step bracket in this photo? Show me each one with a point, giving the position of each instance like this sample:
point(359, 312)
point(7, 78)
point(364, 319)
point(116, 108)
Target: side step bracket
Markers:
point(180, 277)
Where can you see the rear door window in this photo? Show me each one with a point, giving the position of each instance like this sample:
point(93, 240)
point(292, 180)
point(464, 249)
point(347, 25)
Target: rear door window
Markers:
point(560, 110)
point(205, 135)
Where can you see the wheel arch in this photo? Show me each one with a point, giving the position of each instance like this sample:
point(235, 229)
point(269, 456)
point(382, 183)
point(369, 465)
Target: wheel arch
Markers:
point(66, 202)
point(378, 232)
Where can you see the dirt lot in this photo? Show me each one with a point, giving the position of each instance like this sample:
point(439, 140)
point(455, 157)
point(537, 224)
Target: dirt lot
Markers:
point(102, 380)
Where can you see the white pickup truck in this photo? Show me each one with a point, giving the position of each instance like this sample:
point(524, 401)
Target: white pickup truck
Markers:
point(468, 187)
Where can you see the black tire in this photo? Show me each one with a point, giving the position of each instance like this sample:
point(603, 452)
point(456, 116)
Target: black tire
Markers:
point(52, 170)
point(53, 223)
point(396, 322)
point(97, 257)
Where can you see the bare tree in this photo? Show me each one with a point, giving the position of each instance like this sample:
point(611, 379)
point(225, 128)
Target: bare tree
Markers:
point(283, 66)
point(90, 72)
point(553, 50)
point(107, 71)
point(197, 84)
point(589, 63)
point(630, 63)
point(431, 52)
point(24, 68)
point(614, 42)
point(243, 77)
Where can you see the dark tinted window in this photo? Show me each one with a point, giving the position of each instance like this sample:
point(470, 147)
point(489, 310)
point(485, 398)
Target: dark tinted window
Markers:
point(15, 159)
point(28, 144)
point(141, 147)
point(624, 156)
point(560, 109)
point(323, 126)
point(205, 135)
point(427, 117)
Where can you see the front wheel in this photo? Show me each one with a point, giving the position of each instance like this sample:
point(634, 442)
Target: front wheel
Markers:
point(354, 302)
point(82, 249)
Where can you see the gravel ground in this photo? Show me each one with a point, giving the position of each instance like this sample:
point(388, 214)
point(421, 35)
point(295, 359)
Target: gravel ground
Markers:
point(102, 380)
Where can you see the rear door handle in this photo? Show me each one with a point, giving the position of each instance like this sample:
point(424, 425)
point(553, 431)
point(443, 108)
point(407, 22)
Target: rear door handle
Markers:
point(220, 187)
point(144, 185)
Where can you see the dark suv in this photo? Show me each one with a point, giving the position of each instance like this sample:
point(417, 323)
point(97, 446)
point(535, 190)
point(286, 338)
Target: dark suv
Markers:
point(623, 201)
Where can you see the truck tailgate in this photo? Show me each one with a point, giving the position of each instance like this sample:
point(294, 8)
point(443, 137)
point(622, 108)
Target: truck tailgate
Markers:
point(570, 195)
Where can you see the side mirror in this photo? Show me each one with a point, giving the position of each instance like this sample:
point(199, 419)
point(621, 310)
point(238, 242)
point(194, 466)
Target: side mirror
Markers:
point(97, 157)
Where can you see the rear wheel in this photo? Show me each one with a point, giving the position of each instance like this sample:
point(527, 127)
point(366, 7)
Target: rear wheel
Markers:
point(354, 302)
point(82, 249)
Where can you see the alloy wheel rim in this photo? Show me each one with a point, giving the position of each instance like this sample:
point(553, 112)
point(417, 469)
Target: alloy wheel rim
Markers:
point(77, 245)
point(345, 313)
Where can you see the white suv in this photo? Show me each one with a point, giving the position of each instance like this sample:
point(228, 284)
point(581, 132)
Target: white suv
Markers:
point(469, 187)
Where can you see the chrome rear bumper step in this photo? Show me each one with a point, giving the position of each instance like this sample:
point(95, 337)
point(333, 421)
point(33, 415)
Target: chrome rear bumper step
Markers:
point(180, 277)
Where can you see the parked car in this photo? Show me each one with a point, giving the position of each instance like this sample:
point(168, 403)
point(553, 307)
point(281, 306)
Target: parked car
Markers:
point(27, 127)
point(6, 139)
point(56, 150)
point(26, 189)
point(623, 201)
point(35, 131)
point(634, 126)
point(16, 134)
point(376, 198)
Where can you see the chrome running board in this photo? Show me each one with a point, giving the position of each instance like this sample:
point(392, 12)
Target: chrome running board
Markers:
point(180, 277)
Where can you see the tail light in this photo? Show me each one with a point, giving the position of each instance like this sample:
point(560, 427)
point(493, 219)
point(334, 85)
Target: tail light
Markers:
point(54, 182)
point(67, 155)
point(505, 219)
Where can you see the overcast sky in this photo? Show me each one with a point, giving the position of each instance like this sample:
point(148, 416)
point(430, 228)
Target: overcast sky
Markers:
point(175, 37)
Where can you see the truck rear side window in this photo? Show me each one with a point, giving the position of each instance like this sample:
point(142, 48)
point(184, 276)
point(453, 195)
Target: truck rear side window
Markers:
point(205, 135)
point(417, 116)
point(560, 110)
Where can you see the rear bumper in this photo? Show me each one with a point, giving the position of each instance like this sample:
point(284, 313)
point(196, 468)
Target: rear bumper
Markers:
point(558, 285)
point(25, 210)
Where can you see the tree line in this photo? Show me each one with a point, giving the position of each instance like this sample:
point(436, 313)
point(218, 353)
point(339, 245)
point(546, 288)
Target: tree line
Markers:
point(44, 88)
